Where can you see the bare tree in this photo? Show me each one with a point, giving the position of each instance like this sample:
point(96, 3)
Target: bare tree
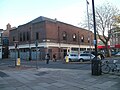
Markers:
point(104, 21)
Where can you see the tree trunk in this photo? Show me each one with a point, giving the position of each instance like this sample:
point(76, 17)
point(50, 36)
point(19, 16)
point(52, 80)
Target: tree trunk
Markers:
point(108, 52)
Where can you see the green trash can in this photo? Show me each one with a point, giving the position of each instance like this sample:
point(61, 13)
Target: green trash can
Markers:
point(96, 67)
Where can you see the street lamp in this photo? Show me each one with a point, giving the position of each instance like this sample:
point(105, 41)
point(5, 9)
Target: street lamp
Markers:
point(94, 22)
point(89, 35)
point(96, 64)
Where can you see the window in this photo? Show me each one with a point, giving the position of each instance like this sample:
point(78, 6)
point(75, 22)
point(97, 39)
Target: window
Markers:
point(82, 38)
point(28, 36)
point(74, 37)
point(13, 38)
point(37, 35)
point(88, 40)
point(64, 36)
point(23, 36)
point(20, 37)
point(0, 34)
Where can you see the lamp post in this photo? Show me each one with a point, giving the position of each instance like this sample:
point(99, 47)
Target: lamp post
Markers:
point(94, 22)
point(96, 64)
point(89, 35)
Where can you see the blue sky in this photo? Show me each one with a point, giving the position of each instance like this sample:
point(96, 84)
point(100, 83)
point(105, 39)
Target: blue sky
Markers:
point(18, 12)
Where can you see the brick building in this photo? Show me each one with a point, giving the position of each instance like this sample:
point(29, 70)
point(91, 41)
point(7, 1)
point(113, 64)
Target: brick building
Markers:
point(52, 37)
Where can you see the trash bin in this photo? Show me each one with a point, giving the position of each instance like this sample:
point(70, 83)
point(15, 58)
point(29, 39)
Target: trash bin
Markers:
point(96, 67)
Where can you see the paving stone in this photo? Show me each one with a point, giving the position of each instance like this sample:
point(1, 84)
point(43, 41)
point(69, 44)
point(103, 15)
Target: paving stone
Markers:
point(39, 88)
point(44, 84)
point(58, 84)
point(8, 88)
point(23, 88)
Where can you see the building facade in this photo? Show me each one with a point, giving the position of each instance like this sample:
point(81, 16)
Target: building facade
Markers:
point(52, 36)
point(1, 31)
point(115, 39)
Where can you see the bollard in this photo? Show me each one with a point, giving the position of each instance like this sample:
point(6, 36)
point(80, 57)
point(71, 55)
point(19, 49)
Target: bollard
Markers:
point(18, 62)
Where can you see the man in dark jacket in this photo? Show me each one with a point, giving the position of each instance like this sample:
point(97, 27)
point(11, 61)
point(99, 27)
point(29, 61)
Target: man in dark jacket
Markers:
point(47, 57)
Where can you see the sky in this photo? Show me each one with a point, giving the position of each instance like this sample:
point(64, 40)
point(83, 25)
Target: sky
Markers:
point(18, 12)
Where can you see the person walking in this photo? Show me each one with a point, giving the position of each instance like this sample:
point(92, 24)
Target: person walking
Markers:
point(54, 57)
point(47, 57)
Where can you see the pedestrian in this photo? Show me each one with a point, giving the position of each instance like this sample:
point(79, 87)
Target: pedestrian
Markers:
point(54, 57)
point(47, 57)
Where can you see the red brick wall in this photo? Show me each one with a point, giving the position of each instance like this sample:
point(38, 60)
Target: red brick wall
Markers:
point(52, 32)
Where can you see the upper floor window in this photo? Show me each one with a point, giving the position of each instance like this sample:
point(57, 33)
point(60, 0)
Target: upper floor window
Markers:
point(64, 36)
point(0, 34)
point(28, 36)
point(82, 38)
point(13, 38)
point(20, 38)
point(23, 36)
point(74, 37)
point(37, 35)
point(88, 39)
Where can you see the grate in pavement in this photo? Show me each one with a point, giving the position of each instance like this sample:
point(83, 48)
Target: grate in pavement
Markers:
point(41, 73)
point(2, 74)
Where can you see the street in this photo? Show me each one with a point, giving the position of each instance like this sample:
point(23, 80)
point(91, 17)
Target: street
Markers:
point(59, 64)
point(42, 64)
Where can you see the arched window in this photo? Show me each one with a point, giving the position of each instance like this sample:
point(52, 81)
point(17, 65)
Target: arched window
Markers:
point(82, 38)
point(74, 37)
point(88, 39)
point(64, 36)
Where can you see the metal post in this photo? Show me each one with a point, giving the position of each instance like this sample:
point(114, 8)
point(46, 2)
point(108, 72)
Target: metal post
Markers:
point(87, 3)
point(30, 44)
point(59, 42)
point(36, 44)
point(36, 58)
point(95, 38)
point(78, 43)
point(15, 56)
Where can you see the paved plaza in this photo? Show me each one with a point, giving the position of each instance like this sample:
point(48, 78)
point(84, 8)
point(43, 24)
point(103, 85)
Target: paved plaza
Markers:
point(25, 78)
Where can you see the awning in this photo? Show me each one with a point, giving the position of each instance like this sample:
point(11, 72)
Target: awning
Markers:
point(117, 46)
point(102, 47)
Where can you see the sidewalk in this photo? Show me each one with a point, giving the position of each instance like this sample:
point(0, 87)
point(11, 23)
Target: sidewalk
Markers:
point(56, 79)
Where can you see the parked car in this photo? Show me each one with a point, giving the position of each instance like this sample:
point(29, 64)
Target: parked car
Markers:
point(72, 57)
point(117, 54)
point(86, 57)
point(99, 54)
point(113, 53)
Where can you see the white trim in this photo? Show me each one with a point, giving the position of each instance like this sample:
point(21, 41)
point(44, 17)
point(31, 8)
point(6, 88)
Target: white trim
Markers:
point(48, 44)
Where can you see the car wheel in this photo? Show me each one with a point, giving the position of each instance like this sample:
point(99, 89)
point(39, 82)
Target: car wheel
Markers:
point(81, 60)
